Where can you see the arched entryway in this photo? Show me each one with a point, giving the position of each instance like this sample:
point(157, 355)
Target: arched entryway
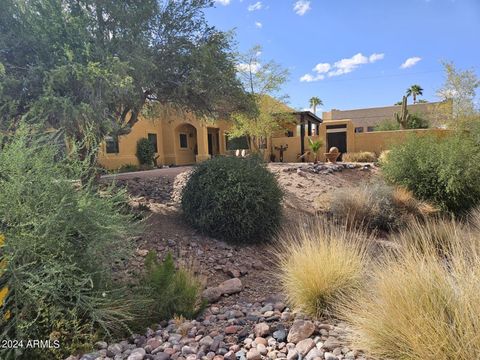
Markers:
point(186, 144)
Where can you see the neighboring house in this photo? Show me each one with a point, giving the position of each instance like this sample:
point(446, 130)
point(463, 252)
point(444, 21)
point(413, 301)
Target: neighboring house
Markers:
point(365, 120)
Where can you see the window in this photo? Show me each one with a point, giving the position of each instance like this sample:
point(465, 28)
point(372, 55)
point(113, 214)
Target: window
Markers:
point(183, 141)
point(153, 140)
point(289, 133)
point(111, 144)
point(370, 128)
point(359, 129)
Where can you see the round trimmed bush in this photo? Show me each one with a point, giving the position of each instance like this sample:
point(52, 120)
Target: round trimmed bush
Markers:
point(145, 152)
point(233, 199)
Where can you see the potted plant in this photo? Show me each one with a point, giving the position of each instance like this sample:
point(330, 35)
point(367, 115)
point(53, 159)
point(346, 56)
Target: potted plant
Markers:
point(315, 148)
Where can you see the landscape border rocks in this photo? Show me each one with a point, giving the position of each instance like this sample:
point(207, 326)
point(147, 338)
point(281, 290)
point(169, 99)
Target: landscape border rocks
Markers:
point(260, 331)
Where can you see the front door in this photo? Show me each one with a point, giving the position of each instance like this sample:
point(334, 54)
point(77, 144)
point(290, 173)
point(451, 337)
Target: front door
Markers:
point(210, 144)
point(338, 140)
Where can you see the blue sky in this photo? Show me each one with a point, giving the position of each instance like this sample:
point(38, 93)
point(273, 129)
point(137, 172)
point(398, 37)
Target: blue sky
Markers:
point(301, 34)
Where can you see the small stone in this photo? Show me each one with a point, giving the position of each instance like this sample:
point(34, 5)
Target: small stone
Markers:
point(231, 286)
point(230, 356)
point(261, 340)
point(187, 350)
point(114, 349)
point(330, 356)
point(314, 353)
point(262, 349)
point(292, 354)
point(100, 345)
point(212, 294)
point(331, 343)
point(262, 330)
point(161, 356)
point(280, 335)
point(232, 329)
point(207, 341)
point(254, 354)
point(137, 354)
point(304, 346)
point(301, 329)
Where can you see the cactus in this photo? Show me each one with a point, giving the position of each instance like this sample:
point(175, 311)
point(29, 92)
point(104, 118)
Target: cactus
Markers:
point(404, 116)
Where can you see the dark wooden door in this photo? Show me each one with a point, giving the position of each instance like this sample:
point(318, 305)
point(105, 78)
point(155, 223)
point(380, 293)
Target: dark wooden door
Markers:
point(210, 143)
point(338, 140)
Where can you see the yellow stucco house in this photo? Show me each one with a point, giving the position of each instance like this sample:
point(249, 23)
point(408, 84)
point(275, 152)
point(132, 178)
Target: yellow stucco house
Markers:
point(179, 139)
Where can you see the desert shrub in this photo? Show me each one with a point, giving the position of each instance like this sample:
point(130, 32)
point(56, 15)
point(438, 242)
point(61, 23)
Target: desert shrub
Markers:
point(415, 121)
point(387, 125)
point(145, 152)
point(233, 199)
point(419, 304)
point(320, 264)
point(377, 206)
point(170, 292)
point(444, 171)
point(364, 156)
point(61, 240)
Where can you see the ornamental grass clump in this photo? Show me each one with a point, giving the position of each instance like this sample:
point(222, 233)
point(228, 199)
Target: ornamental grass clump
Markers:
point(363, 156)
point(233, 199)
point(422, 303)
point(377, 206)
point(170, 291)
point(321, 264)
point(61, 241)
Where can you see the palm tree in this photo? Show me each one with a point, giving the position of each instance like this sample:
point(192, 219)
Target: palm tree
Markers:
point(314, 102)
point(415, 90)
point(315, 146)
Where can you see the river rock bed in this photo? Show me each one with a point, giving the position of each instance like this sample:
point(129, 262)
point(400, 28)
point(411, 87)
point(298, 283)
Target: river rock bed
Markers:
point(260, 331)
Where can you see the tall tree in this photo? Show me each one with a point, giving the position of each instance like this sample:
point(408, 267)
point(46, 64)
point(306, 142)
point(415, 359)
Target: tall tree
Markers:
point(98, 64)
point(460, 86)
point(263, 81)
point(414, 91)
point(314, 102)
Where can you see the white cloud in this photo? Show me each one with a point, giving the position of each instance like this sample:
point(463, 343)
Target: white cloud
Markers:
point(301, 7)
point(375, 57)
point(341, 67)
point(322, 68)
point(223, 2)
point(254, 7)
point(253, 67)
point(410, 62)
point(311, 78)
point(258, 24)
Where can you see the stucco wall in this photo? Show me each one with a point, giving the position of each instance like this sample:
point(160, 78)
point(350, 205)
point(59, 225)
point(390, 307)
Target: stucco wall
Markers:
point(435, 112)
point(167, 126)
point(376, 142)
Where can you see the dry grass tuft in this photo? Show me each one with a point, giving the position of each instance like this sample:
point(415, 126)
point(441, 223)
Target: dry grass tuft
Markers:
point(422, 304)
point(364, 156)
point(320, 264)
point(404, 200)
point(378, 206)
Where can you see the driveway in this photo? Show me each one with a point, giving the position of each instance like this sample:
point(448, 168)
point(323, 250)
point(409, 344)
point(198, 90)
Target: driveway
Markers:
point(171, 172)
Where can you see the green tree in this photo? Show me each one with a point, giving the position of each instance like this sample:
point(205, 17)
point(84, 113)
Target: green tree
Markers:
point(460, 86)
point(79, 64)
point(414, 91)
point(263, 81)
point(314, 102)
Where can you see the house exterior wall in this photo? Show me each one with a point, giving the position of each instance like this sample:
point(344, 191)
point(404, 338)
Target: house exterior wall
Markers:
point(436, 113)
point(375, 142)
point(167, 127)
